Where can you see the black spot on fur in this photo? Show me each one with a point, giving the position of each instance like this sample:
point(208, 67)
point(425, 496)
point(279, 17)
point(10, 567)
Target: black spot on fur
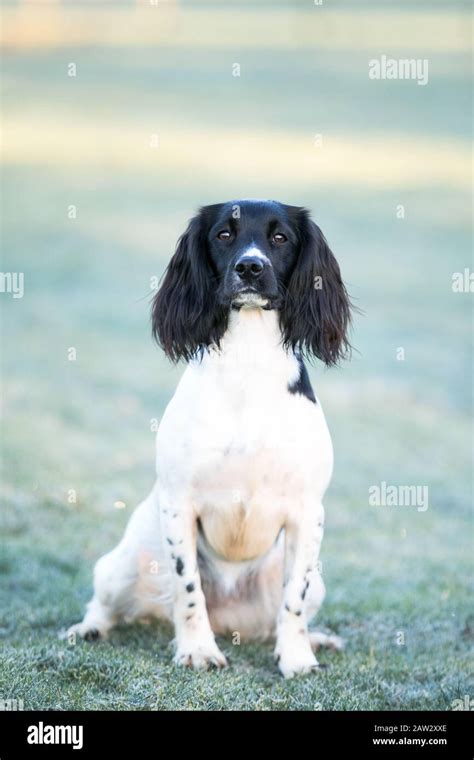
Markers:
point(170, 541)
point(92, 635)
point(179, 566)
point(191, 604)
point(303, 386)
point(293, 613)
point(190, 587)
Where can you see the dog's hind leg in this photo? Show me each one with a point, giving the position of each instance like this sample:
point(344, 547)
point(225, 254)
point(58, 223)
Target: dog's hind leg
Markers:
point(96, 624)
point(115, 577)
point(132, 581)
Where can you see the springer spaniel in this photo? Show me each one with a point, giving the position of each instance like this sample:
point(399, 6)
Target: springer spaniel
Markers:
point(228, 539)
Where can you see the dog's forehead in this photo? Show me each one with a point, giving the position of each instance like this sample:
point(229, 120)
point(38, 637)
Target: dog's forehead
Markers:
point(247, 210)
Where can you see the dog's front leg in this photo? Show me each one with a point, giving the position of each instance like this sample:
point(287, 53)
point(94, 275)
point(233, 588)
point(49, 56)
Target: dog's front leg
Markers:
point(195, 643)
point(303, 536)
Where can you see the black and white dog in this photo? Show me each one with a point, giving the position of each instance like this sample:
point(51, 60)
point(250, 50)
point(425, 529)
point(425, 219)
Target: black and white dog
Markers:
point(228, 540)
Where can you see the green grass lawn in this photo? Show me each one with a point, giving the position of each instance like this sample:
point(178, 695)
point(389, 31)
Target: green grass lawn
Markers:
point(398, 579)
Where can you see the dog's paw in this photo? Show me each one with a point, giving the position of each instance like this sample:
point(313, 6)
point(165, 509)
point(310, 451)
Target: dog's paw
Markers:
point(86, 631)
point(200, 657)
point(296, 661)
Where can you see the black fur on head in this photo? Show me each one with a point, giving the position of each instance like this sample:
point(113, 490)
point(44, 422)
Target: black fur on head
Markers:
point(186, 317)
point(316, 311)
point(252, 254)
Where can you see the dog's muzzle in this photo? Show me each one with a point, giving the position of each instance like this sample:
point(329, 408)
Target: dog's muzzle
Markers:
point(253, 281)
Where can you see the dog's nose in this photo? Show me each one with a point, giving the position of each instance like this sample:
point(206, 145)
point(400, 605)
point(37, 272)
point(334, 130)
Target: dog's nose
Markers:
point(249, 267)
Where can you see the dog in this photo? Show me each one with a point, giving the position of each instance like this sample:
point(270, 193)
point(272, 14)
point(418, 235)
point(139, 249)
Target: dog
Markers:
point(228, 540)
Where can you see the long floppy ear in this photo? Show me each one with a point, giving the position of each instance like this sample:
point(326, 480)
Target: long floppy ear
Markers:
point(185, 315)
point(316, 311)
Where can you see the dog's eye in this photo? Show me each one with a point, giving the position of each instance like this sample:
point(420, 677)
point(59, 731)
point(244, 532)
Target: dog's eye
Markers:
point(278, 238)
point(223, 235)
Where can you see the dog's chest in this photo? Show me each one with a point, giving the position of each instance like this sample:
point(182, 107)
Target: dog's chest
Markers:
point(242, 449)
point(242, 490)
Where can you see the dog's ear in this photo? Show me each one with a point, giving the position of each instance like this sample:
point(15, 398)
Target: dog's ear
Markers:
point(316, 311)
point(185, 316)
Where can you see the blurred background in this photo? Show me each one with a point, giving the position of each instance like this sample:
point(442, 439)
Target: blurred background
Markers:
point(120, 119)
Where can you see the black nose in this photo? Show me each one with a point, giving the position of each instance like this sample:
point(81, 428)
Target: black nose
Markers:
point(248, 267)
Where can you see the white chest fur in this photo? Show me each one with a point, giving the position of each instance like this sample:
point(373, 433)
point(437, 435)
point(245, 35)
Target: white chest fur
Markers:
point(236, 446)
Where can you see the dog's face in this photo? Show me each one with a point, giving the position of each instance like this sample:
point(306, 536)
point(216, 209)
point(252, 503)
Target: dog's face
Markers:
point(257, 254)
point(253, 248)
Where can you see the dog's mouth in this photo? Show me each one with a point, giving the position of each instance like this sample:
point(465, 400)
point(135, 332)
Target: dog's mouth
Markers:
point(252, 298)
point(257, 294)
point(249, 297)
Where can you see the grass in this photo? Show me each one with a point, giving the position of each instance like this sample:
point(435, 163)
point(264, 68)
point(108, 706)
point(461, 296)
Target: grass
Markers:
point(397, 579)
point(380, 585)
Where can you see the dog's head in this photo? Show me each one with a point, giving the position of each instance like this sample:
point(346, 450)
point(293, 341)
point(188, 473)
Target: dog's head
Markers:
point(252, 254)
